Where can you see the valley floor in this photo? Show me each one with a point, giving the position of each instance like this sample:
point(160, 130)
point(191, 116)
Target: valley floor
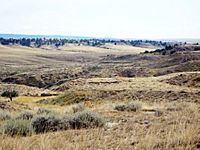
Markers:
point(158, 125)
point(169, 117)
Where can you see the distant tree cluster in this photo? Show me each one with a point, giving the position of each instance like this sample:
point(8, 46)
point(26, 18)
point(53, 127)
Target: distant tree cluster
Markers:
point(174, 48)
point(38, 42)
point(9, 94)
point(146, 42)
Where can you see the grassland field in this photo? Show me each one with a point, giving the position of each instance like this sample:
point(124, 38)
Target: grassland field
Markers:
point(167, 88)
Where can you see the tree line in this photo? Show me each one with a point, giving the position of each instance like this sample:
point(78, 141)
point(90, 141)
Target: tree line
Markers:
point(38, 42)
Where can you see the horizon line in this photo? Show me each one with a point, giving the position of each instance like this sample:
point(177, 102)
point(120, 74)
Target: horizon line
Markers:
point(93, 37)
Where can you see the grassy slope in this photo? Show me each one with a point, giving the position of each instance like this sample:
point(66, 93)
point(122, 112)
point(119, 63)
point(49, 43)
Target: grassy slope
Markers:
point(178, 127)
point(142, 130)
point(16, 53)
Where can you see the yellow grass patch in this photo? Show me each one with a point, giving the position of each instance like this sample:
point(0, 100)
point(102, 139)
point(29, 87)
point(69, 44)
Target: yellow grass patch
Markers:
point(28, 99)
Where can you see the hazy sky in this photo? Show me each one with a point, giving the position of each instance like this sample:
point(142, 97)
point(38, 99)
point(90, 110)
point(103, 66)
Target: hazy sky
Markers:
point(102, 18)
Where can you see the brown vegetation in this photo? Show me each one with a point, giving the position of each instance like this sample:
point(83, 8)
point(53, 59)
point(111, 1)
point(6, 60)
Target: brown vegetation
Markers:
point(148, 101)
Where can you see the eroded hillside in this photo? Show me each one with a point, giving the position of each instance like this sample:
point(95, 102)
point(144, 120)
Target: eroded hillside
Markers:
point(108, 97)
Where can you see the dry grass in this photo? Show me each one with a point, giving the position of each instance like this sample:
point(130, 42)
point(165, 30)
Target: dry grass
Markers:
point(136, 84)
point(174, 129)
point(127, 49)
point(25, 90)
point(142, 130)
point(158, 125)
point(30, 99)
point(51, 55)
point(107, 48)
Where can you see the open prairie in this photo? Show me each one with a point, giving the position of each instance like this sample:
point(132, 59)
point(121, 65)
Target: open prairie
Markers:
point(99, 75)
point(147, 100)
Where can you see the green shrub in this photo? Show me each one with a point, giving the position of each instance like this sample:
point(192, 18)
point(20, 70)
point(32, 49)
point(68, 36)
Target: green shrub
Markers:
point(53, 122)
point(17, 127)
point(66, 122)
point(4, 116)
point(25, 115)
point(26, 122)
point(78, 107)
point(120, 107)
point(94, 68)
point(43, 111)
point(46, 123)
point(134, 106)
point(86, 119)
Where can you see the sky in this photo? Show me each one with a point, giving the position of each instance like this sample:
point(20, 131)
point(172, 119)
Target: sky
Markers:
point(152, 19)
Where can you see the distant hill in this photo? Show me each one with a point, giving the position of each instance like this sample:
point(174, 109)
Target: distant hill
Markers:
point(188, 40)
point(20, 36)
